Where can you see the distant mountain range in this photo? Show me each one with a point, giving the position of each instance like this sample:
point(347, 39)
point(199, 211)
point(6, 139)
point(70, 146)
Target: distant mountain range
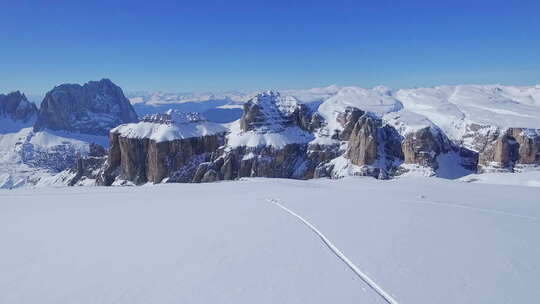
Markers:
point(93, 134)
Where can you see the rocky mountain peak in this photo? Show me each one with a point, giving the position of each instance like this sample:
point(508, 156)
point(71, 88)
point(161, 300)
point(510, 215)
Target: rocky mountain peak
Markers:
point(93, 108)
point(16, 106)
point(269, 112)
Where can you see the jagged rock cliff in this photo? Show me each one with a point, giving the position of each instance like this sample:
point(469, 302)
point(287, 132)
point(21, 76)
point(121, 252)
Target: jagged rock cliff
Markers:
point(93, 108)
point(423, 146)
point(273, 138)
point(16, 107)
point(279, 137)
point(370, 142)
point(442, 131)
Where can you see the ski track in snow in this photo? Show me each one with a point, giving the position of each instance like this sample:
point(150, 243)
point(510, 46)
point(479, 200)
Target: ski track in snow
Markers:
point(366, 279)
point(428, 202)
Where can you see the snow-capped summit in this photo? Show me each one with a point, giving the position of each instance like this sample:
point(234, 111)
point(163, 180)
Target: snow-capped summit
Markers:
point(268, 112)
point(269, 119)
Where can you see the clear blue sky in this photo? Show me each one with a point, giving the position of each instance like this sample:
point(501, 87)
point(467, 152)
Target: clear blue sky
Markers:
point(221, 45)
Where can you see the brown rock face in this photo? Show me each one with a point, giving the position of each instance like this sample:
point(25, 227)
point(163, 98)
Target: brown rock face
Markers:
point(529, 145)
point(511, 147)
point(144, 160)
point(363, 142)
point(370, 142)
point(506, 150)
point(348, 120)
point(133, 153)
point(423, 146)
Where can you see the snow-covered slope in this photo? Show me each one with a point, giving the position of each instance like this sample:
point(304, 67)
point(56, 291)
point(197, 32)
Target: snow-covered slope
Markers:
point(28, 156)
point(276, 139)
point(170, 126)
point(453, 108)
point(378, 100)
point(420, 241)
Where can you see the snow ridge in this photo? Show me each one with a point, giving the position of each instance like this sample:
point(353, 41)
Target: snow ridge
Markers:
point(170, 126)
point(366, 279)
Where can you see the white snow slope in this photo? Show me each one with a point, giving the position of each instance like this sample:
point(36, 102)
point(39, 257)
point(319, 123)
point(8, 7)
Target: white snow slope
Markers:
point(166, 132)
point(416, 240)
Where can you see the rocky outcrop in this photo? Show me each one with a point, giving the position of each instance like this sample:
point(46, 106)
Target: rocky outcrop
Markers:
point(297, 161)
point(271, 112)
point(423, 146)
point(94, 108)
point(428, 146)
point(529, 145)
point(509, 148)
point(16, 106)
point(88, 167)
point(270, 115)
point(306, 119)
point(370, 142)
point(144, 160)
point(363, 148)
point(348, 119)
point(141, 159)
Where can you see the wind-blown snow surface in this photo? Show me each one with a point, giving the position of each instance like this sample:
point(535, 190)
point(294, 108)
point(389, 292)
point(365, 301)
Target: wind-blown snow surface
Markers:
point(420, 240)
